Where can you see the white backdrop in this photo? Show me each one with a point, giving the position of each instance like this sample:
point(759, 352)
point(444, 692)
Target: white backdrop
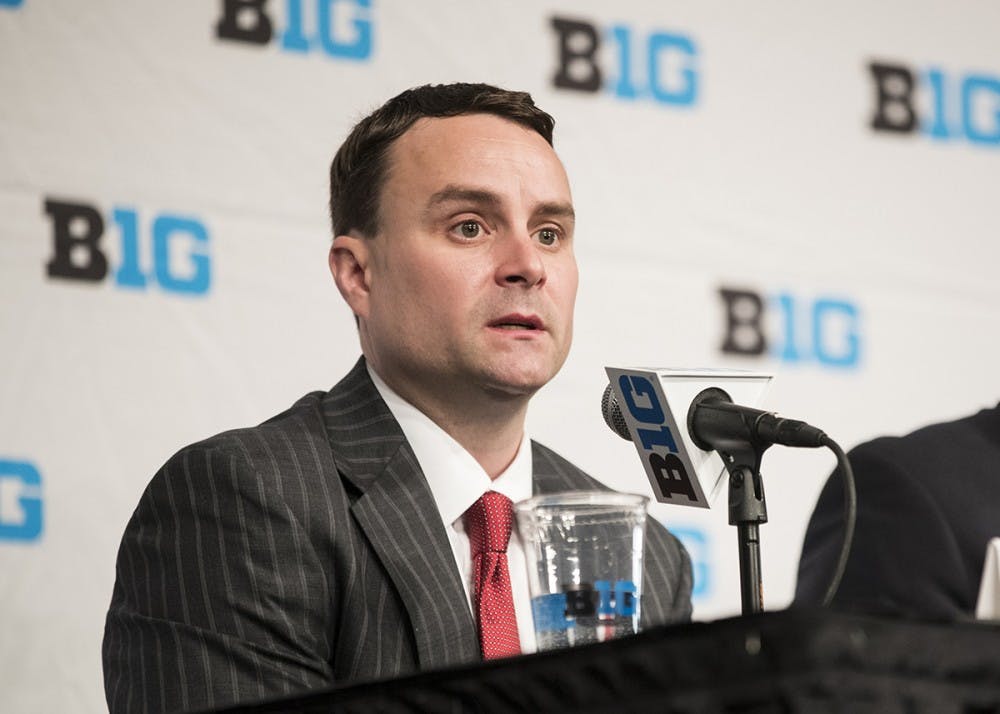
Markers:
point(745, 160)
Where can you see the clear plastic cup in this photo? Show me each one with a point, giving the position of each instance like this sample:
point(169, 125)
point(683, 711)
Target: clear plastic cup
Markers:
point(584, 556)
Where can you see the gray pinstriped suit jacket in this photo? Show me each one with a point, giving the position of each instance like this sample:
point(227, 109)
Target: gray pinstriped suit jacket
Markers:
point(303, 553)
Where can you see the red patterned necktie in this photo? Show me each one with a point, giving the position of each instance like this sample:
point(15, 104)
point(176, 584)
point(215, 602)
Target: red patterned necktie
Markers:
point(488, 522)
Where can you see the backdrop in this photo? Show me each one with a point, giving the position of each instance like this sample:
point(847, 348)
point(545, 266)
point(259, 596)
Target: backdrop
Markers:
point(807, 189)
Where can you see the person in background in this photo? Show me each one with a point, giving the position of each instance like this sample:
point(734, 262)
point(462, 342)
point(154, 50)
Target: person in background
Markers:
point(928, 504)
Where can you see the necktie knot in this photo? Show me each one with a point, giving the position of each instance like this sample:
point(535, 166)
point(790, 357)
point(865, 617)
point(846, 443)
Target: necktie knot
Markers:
point(488, 523)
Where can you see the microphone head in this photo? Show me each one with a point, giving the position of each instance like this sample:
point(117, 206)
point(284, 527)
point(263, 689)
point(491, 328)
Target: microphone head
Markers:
point(612, 413)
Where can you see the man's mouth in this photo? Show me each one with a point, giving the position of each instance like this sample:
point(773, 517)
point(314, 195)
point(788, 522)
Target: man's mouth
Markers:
point(517, 322)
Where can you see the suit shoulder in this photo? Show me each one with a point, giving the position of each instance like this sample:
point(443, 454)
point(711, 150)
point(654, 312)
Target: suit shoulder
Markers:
point(961, 446)
point(299, 425)
point(945, 435)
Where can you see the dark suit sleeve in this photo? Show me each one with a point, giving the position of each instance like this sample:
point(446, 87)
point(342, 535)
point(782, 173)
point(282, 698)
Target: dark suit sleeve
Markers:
point(667, 577)
point(215, 600)
point(904, 556)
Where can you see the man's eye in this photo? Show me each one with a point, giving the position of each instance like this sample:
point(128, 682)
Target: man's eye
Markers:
point(547, 236)
point(470, 229)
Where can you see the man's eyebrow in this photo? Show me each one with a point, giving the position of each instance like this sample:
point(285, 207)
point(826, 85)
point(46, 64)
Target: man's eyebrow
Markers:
point(451, 194)
point(458, 194)
point(556, 210)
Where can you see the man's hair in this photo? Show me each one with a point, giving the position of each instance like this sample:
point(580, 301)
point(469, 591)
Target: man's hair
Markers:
point(358, 171)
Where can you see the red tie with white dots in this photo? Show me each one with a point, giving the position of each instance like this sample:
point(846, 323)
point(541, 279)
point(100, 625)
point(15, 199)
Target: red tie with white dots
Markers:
point(488, 523)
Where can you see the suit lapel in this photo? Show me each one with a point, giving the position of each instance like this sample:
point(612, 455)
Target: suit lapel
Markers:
point(402, 523)
point(398, 515)
point(552, 474)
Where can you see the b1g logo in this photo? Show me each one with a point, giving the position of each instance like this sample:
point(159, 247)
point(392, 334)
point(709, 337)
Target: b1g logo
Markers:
point(173, 254)
point(940, 105)
point(791, 328)
point(661, 66)
point(20, 501)
point(341, 29)
point(10, 3)
point(659, 446)
point(696, 542)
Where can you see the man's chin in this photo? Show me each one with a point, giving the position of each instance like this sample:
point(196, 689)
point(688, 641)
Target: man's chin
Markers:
point(515, 385)
point(510, 392)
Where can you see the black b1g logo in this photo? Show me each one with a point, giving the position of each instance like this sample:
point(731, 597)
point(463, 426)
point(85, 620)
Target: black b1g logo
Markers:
point(656, 437)
point(174, 255)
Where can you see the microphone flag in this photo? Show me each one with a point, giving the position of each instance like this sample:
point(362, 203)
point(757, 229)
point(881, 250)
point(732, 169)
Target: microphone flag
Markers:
point(652, 412)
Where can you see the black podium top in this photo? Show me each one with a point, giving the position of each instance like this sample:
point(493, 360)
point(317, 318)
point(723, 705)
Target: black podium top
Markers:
point(790, 661)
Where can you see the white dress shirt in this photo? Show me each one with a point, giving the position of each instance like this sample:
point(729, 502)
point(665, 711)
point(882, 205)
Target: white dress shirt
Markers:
point(457, 481)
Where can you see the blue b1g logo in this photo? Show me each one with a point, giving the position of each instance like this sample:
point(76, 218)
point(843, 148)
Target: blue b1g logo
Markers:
point(177, 247)
point(941, 105)
point(10, 3)
point(341, 29)
point(696, 542)
point(660, 66)
point(20, 501)
point(792, 328)
point(659, 446)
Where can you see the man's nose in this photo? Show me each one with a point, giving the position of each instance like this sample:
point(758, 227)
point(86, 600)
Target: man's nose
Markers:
point(519, 261)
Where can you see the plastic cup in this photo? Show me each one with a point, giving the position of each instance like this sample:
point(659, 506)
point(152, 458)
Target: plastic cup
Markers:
point(584, 556)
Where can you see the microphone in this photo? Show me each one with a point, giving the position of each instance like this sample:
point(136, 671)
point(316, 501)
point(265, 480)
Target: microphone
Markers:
point(683, 464)
point(682, 420)
point(650, 408)
point(714, 422)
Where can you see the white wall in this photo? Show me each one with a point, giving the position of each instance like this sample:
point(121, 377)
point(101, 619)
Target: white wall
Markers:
point(767, 176)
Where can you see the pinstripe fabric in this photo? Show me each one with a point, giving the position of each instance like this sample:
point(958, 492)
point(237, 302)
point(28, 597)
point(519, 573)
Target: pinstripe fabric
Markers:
point(303, 553)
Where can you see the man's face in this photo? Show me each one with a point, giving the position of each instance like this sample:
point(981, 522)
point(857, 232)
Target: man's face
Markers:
point(472, 277)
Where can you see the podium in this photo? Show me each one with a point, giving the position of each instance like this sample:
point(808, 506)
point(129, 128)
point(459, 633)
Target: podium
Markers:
point(788, 661)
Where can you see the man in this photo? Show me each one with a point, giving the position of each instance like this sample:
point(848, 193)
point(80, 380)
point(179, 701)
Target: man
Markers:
point(328, 544)
point(928, 504)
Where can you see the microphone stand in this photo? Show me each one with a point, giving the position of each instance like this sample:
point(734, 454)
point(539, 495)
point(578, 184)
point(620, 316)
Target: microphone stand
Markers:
point(732, 431)
point(747, 510)
point(741, 436)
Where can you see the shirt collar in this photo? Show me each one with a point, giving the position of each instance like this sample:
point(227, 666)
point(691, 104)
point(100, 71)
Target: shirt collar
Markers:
point(455, 478)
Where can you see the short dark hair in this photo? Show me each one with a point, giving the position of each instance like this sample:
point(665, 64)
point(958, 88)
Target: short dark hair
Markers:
point(358, 171)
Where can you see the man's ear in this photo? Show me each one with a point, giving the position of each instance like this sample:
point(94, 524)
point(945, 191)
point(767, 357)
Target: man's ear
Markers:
point(350, 257)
